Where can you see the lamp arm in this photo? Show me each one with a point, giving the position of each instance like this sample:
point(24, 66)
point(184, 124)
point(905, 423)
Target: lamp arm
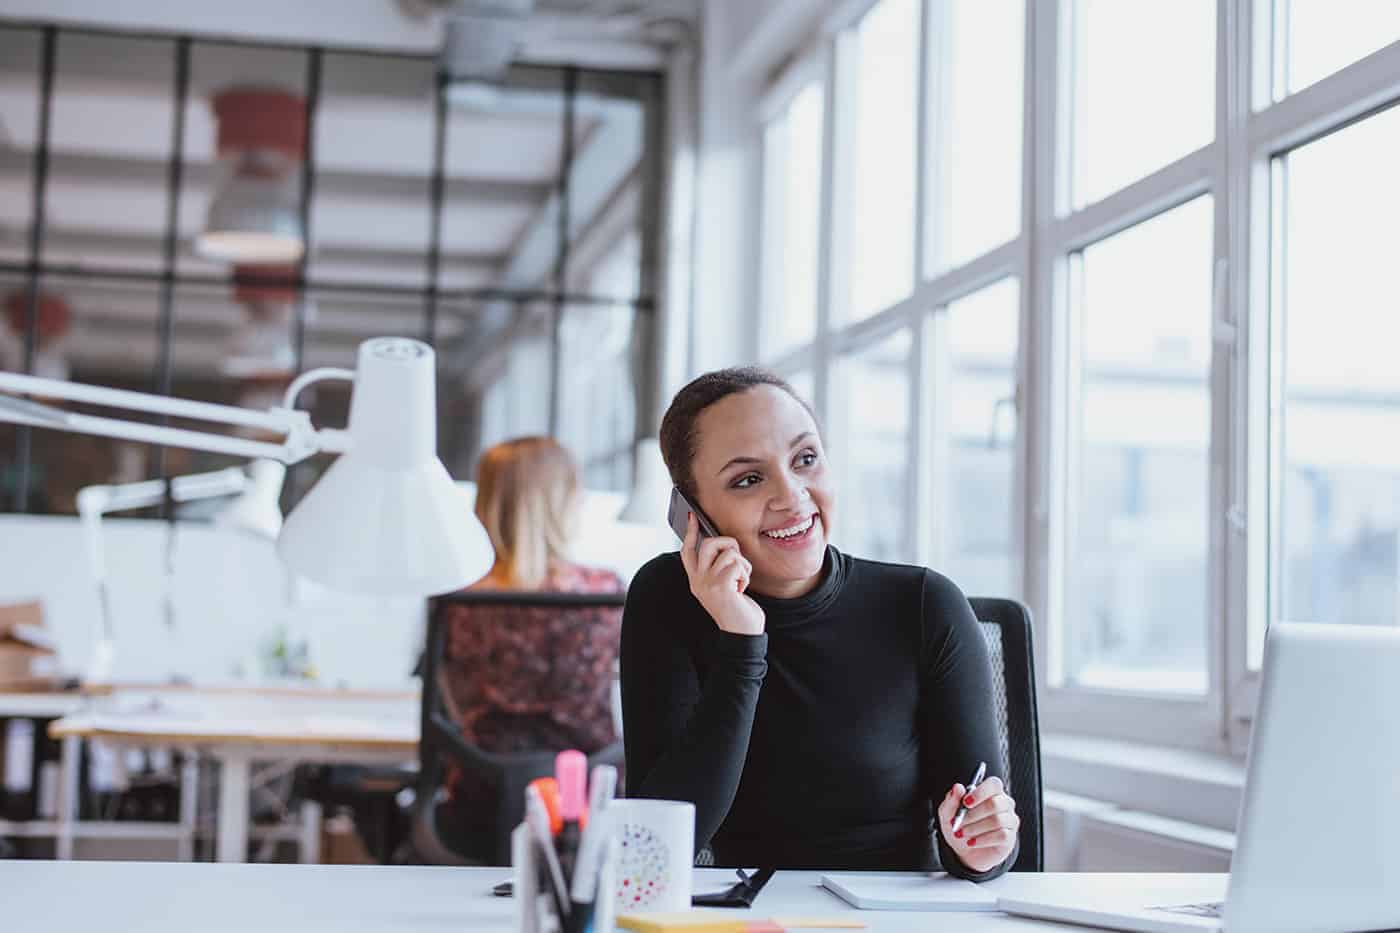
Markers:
point(102, 499)
point(97, 500)
point(301, 439)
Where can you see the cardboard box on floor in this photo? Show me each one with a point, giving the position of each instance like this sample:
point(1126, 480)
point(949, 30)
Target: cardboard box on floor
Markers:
point(27, 655)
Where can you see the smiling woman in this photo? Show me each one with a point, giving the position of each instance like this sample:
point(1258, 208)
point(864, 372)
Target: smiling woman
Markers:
point(817, 708)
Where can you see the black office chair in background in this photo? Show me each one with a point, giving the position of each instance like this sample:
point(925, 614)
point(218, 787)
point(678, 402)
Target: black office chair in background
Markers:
point(442, 744)
point(1006, 627)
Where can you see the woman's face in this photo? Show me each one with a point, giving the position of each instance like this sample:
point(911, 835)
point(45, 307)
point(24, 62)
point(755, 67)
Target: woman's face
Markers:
point(761, 477)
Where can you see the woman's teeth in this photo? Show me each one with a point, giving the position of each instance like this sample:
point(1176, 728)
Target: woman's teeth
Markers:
point(793, 530)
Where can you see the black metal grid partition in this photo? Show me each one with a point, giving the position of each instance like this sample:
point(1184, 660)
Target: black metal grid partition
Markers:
point(432, 294)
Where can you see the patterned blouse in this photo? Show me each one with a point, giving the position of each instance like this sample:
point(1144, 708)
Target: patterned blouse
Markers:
point(532, 678)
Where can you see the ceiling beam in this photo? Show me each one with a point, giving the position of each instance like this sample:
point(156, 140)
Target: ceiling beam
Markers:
point(122, 170)
point(400, 266)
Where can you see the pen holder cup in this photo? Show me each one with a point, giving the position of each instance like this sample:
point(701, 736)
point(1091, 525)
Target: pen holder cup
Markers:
point(534, 905)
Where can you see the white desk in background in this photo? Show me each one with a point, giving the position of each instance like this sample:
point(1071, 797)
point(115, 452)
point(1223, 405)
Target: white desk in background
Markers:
point(176, 898)
point(234, 727)
point(40, 705)
point(36, 705)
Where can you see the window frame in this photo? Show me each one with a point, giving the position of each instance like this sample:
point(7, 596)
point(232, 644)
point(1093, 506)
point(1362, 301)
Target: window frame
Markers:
point(1250, 130)
point(775, 104)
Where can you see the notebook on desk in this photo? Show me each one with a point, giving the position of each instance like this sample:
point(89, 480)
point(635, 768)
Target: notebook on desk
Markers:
point(909, 892)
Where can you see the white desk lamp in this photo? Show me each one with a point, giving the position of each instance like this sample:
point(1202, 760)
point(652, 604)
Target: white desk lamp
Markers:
point(385, 518)
point(254, 511)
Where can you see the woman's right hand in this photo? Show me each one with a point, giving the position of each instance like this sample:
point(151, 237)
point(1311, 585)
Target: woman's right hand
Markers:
point(719, 574)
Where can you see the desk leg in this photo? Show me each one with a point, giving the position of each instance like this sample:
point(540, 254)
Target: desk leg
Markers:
point(68, 796)
point(189, 804)
point(309, 852)
point(234, 783)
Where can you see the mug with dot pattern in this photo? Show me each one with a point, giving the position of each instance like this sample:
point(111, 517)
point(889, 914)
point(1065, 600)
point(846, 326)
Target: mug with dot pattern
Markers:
point(656, 851)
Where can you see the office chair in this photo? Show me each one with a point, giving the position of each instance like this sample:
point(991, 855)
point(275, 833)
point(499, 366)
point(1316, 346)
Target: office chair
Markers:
point(442, 742)
point(1006, 627)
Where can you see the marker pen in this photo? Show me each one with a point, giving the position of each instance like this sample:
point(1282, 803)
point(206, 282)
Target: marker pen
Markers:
point(571, 771)
point(592, 851)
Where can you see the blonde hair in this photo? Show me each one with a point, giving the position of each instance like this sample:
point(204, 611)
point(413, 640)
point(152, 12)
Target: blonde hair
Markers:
point(526, 496)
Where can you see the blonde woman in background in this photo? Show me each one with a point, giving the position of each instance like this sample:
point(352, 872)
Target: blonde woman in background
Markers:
point(527, 496)
point(528, 679)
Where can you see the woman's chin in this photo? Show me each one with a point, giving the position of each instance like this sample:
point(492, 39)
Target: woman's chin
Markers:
point(787, 565)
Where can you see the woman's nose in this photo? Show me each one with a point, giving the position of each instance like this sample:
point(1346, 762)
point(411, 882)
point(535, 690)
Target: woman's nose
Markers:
point(789, 493)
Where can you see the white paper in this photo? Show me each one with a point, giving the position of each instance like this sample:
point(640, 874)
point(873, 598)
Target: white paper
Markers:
point(936, 891)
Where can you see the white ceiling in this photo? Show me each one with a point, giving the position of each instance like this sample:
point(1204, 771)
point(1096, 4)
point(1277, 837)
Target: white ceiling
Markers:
point(110, 141)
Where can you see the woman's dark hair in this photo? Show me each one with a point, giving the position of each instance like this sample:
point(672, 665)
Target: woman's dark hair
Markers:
point(678, 426)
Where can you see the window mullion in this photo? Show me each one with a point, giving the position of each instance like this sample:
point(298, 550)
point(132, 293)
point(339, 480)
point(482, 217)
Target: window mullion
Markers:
point(833, 248)
point(1224, 361)
point(923, 425)
point(1047, 131)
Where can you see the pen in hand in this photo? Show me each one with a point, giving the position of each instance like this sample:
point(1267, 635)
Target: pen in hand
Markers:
point(971, 786)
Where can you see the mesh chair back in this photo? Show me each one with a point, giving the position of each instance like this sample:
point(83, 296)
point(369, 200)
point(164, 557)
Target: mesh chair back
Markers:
point(1006, 628)
point(442, 743)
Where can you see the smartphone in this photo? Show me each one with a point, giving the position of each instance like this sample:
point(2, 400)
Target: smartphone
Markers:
point(676, 515)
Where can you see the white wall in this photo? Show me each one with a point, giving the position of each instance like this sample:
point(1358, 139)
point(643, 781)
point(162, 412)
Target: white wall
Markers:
point(726, 190)
point(228, 602)
point(742, 45)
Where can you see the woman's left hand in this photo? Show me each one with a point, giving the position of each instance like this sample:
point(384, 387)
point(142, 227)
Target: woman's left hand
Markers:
point(988, 831)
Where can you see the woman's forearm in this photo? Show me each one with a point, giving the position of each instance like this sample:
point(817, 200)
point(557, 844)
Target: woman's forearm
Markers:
point(697, 756)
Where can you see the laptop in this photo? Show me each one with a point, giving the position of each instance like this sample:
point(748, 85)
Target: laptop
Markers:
point(1306, 858)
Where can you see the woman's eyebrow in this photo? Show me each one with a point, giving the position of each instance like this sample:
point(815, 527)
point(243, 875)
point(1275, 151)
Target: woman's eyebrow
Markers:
point(743, 461)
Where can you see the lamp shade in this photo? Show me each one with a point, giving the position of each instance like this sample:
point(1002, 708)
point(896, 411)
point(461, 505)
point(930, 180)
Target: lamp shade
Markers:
point(253, 219)
point(386, 518)
point(254, 215)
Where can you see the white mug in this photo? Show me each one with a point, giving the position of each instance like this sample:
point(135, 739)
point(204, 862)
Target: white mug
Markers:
point(656, 854)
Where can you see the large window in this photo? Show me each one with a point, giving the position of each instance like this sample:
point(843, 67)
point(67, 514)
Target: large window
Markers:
point(1135, 613)
point(1314, 38)
point(870, 435)
point(977, 193)
point(1144, 82)
point(1337, 431)
point(792, 165)
point(978, 546)
point(884, 52)
point(1132, 359)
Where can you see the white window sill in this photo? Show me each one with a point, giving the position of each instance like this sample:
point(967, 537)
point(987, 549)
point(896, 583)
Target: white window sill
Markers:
point(1193, 787)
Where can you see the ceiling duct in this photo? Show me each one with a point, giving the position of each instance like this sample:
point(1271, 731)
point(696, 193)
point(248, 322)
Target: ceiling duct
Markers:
point(482, 37)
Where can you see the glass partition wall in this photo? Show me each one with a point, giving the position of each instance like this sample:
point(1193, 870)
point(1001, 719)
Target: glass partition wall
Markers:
point(503, 228)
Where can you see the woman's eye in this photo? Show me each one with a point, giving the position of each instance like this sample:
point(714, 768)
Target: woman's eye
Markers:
point(745, 481)
point(806, 458)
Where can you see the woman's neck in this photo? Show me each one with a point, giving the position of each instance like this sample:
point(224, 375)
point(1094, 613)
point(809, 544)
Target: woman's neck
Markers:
point(787, 589)
point(502, 577)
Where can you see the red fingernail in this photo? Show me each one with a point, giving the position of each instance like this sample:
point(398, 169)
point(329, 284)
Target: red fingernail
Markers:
point(972, 841)
point(967, 801)
point(958, 834)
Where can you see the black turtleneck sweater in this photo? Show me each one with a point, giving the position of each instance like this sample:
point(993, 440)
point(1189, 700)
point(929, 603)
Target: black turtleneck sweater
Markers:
point(825, 742)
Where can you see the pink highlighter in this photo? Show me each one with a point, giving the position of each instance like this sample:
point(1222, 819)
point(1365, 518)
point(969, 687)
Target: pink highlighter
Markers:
point(571, 771)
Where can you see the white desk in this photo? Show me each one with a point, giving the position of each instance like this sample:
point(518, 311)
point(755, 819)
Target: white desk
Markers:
point(36, 705)
point(178, 898)
point(234, 728)
point(41, 705)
